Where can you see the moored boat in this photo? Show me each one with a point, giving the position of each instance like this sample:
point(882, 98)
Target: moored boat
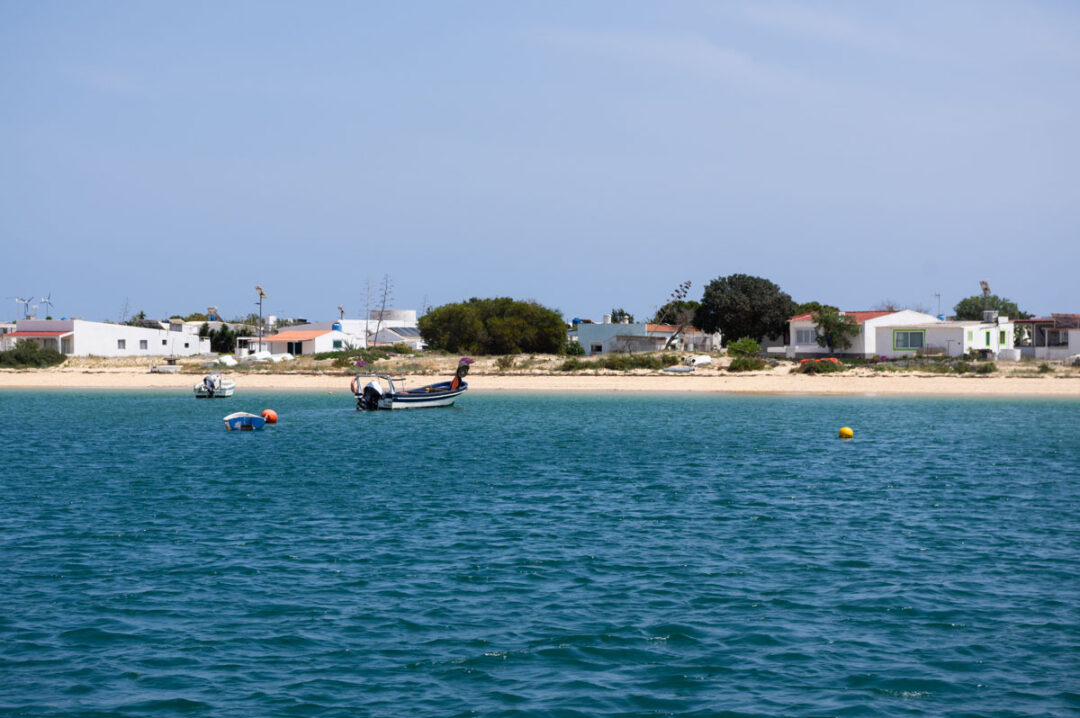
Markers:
point(243, 421)
point(387, 392)
point(213, 386)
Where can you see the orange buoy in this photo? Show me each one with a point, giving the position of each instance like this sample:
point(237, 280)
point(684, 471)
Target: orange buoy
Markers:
point(270, 415)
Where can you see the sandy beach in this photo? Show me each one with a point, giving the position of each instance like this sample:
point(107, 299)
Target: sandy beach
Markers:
point(780, 380)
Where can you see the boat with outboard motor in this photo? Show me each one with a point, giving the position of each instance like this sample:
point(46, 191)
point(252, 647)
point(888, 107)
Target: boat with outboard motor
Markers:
point(214, 387)
point(373, 395)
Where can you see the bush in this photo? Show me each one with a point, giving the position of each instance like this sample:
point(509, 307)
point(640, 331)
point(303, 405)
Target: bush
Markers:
point(745, 347)
point(621, 362)
point(821, 367)
point(505, 362)
point(746, 363)
point(985, 368)
point(574, 349)
point(27, 354)
point(1045, 368)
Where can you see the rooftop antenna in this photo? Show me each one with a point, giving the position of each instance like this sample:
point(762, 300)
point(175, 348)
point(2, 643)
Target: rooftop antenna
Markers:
point(47, 301)
point(341, 311)
point(985, 286)
point(262, 296)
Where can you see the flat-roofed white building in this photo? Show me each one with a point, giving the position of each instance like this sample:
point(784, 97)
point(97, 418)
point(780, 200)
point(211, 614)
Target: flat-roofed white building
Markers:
point(907, 333)
point(78, 337)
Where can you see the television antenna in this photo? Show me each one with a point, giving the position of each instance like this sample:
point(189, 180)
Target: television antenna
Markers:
point(47, 301)
point(341, 311)
point(985, 287)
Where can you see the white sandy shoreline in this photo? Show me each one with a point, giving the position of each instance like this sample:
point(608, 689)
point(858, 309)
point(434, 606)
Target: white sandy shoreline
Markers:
point(752, 383)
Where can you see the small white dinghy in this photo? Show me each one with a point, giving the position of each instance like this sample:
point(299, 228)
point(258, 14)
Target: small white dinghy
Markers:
point(214, 387)
point(243, 421)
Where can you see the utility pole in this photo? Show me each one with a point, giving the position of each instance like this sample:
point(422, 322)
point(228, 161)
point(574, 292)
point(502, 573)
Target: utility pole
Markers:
point(938, 295)
point(262, 296)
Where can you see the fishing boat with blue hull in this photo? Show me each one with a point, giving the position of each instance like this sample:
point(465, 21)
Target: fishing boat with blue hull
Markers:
point(387, 392)
point(243, 421)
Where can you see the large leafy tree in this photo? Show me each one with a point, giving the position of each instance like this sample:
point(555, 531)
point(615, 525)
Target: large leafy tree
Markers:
point(494, 326)
point(971, 308)
point(835, 330)
point(744, 306)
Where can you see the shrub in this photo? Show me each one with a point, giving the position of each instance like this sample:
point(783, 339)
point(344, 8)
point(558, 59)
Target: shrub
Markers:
point(985, 368)
point(745, 347)
point(621, 362)
point(505, 362)
point(1045, 368)
point(821, 367)
point(27, 354)
point(746, 363)
point(574, 349)
point(961, 367)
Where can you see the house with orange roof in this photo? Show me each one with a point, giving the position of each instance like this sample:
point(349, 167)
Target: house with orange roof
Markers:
point(303, 341)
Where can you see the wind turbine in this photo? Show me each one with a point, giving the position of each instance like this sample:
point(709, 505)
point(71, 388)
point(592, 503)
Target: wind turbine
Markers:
point(47, 301)
point(26, 305)
point(341, 310)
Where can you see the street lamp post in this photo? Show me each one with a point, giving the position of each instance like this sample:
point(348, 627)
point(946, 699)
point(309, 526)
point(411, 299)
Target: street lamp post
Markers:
point(262, 296)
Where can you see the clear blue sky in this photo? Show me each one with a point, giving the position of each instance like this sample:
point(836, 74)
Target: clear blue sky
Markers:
point(588, 155)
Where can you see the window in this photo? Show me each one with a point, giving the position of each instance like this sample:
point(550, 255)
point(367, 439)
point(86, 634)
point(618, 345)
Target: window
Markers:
point(596, 348)
point(908, 339)
point(337, 343)
point(971, 335)
point(185, 345)
point(1001, 337)
point(806, 336)
point(988, 339)
point(121, 343)
point(143, 344)
point(162, 342)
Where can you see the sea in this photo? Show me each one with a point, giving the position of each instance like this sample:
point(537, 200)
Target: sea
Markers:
point(539, 555)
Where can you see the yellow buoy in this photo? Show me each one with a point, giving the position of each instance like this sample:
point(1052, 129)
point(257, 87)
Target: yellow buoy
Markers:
point(846, 433)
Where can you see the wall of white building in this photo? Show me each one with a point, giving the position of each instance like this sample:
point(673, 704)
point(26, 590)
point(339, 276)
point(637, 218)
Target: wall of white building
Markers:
point(949, 338)
point(329, 342)
point(117, 340)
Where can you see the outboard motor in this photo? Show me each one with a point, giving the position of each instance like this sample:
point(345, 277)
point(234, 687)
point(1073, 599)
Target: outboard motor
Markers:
point(208, 382)
point(462, 369)
point(369, 399)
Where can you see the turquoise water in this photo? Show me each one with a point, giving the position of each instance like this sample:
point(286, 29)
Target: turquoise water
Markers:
point(539, 555)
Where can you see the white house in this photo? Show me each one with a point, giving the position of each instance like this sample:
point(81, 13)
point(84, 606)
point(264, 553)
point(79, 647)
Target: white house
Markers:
point(906, 333)
point(303, 341)
point(1053, 337)
point(953, 338)
point(77, 337)
point(639, 337)
point(410, 336)
point(358, 331)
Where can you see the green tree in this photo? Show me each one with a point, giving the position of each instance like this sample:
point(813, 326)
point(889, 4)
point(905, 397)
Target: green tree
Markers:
point(807, 308)
point(204, 330)
point(617, 315)
point(971, 308)
point(196, 317)
point(835, 330)
point(744, 306)
point(494, 326)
